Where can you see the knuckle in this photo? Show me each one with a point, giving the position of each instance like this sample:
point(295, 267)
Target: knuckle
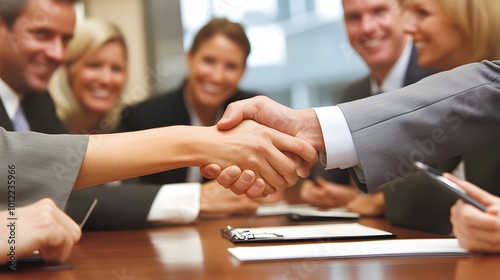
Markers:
point(290, 168)
point(253, 161)
point(47, 202)
point(223, 182)
point(280, 183)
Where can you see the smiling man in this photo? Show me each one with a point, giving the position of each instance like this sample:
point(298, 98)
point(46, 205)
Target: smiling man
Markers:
point(376, 32)
point(34, 35)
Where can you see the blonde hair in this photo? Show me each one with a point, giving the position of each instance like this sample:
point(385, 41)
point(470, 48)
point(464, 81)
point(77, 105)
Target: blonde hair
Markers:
point(479, 22)
point(89, 36)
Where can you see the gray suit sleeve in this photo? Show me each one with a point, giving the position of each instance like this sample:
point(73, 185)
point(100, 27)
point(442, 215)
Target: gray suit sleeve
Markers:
point(441, 116)
point(36, 166)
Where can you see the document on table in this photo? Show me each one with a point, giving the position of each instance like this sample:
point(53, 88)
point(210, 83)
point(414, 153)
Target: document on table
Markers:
point(303, 232)
point(281, 208)
point(360, 249)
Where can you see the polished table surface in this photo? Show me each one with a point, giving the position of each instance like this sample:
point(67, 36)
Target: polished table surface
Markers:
point(200, 252)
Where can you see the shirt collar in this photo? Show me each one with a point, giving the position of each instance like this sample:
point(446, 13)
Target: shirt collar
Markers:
point(10, 99)
point(396, 77)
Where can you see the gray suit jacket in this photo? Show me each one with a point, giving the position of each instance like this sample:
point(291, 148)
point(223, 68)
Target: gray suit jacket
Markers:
point(444, 115)
point(362, 89)
point(415, 203)
point(39, 166)
point(45, 166)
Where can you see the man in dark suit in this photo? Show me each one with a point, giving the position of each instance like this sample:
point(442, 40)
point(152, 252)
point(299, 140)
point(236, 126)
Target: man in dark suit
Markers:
point(39, 111)
point(29, 54)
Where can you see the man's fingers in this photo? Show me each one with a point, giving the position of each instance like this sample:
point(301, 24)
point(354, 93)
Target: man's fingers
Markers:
point(279, 171)
point(287, 164)
point(232, 116)
point(237, 111)
point(296, 146)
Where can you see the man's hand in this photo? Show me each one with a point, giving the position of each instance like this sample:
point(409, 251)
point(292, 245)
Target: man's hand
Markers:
point(302, 124)
point(327, 194)
point(272, 156)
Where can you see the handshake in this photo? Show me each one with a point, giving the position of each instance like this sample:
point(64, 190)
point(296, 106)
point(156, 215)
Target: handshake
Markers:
point(267, 154)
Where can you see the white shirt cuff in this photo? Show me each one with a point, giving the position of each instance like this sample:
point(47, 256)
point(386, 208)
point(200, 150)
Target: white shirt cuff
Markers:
point(176, 204)
point(340, 149)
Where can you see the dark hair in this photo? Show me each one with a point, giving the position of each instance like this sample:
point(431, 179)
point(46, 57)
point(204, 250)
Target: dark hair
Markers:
point(11, 9)
point(232, 30)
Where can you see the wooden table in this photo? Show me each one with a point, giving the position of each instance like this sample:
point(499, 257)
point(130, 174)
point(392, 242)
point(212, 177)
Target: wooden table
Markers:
point(199, 252)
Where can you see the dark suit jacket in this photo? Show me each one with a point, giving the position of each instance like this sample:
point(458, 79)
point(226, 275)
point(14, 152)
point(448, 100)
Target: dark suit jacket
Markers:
point(40, 112)
point(165, 110)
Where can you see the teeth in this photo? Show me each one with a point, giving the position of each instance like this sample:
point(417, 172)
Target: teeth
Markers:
point(419, 45)
point(212, 88)
point(42, 68)
point(101, 93)
point(372, 43)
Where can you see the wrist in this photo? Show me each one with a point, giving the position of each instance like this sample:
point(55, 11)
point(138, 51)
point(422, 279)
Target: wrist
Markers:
point(311, 129)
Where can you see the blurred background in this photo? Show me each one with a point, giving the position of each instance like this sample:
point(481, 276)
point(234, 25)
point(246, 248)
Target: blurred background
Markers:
point(300, 55)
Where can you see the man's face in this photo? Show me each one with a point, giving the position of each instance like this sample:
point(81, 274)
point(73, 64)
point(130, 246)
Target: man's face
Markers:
point(375, 30)
point(36, 44)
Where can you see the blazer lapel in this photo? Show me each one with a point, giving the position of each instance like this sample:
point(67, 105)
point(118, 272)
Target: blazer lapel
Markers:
point(415, 73)
point(5, 121)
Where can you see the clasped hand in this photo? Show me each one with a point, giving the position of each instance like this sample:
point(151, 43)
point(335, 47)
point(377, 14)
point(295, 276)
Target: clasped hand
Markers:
point(295, 136)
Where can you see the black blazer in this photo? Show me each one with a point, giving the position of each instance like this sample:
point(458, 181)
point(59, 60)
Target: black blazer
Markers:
point(165, 110)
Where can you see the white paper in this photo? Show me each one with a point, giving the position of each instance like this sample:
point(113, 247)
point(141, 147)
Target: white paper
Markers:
point(395, 247)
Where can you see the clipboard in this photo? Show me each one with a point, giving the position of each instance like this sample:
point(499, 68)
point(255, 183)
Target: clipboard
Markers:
point(303, 233)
